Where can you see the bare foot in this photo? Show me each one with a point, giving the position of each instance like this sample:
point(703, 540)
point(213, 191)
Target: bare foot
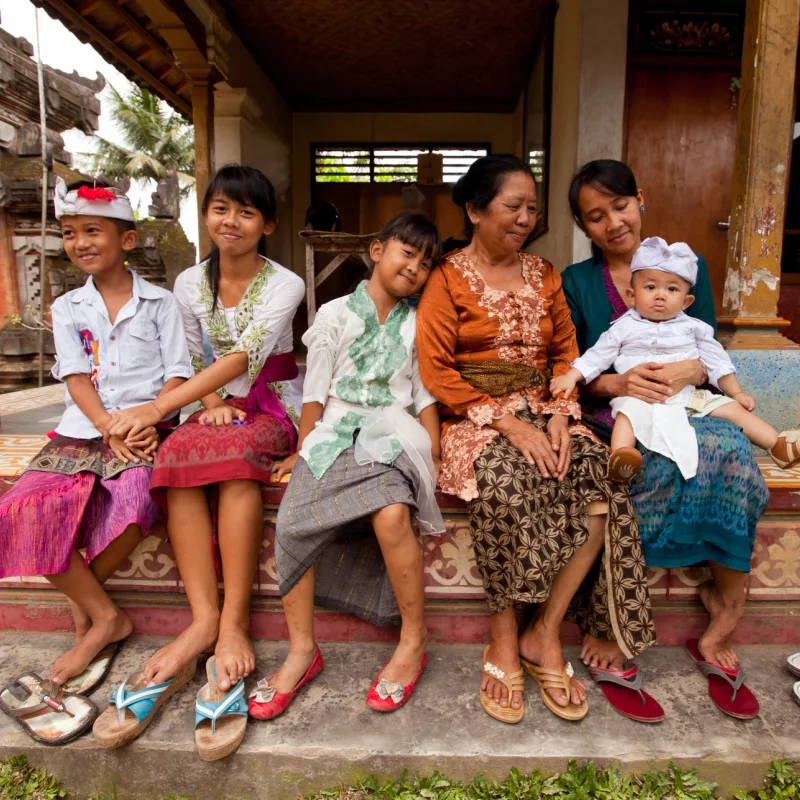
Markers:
point(715, 644)
point(234, 653)
point(603, 653)
point(291, 672)
point(543, 649)
point(169, 660)
point(80, 619)
point(101, 633)
point(405, 662)
point(503, 653)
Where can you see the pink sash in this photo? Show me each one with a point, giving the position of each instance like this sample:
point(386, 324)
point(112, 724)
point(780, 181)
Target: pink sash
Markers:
point(261, 397)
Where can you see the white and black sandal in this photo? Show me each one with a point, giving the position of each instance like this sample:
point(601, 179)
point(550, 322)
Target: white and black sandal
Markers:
point(45, 711)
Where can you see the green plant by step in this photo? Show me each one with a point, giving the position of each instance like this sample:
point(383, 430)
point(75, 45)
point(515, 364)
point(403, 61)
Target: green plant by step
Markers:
point(581, 781)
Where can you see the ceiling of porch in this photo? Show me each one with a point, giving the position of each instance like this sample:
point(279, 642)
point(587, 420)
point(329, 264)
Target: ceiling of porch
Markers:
point(393, 55)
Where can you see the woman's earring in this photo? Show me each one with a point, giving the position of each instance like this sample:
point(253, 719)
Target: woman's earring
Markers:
point(641, 208)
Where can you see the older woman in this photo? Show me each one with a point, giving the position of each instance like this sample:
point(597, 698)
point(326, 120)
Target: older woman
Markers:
point(492, 323)
point(710, 518)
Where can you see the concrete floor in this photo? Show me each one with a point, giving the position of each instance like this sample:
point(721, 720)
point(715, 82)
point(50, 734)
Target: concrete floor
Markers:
point(329, 735)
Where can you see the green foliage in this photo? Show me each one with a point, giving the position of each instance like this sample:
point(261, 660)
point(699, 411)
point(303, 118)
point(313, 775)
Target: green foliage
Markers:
point(19, 781)
point(156, 141)
point(581, 781)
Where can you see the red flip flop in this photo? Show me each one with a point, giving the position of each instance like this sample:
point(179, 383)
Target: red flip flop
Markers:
point(623, 689)
point(725, 686)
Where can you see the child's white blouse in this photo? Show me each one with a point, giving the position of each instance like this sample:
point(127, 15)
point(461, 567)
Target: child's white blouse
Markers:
point(366, 375)
point(260, 325)
point(633, 340)
point(129, 360)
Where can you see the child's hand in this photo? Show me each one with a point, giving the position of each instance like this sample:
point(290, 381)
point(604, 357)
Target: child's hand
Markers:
point(222, 416)
point(745, 400)
point(147, 441)
point(564, 384)
point(128, 454)
point(437, 468)
point(281, 468)
point(130, 422)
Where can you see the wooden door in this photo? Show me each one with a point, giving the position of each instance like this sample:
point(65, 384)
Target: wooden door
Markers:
point(681, 137)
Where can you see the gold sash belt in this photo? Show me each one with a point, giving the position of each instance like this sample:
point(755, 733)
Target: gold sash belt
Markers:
point(497, 378)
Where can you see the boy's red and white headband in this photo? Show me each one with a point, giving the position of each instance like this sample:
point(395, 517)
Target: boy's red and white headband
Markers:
point(92, 202)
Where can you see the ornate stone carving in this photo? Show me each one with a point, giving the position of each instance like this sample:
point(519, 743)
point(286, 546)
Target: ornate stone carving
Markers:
point(166, 199)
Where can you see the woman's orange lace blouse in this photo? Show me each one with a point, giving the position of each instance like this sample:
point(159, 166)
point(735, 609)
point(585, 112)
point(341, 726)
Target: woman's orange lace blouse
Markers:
point(461, 320)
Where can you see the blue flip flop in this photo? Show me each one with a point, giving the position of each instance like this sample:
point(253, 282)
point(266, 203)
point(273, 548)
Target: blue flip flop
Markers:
point(134, 706)
point(220, 719)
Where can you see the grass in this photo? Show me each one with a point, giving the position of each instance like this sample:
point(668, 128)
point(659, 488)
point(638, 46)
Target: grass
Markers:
point(21, 781)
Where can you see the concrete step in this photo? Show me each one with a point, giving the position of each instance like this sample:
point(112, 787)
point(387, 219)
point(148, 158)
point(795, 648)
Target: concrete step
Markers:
point(329, 736)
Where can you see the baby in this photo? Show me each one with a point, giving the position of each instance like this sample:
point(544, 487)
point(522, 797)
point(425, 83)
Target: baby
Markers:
point(656, 329)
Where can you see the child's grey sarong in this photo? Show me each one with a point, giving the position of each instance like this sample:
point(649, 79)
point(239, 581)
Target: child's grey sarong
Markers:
point(326, 523)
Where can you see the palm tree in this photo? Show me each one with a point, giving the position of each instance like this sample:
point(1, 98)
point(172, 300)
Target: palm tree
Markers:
point(157, 142)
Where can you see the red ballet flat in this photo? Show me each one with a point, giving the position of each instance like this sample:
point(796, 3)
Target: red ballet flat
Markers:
point(266, 703)
point(389, 696)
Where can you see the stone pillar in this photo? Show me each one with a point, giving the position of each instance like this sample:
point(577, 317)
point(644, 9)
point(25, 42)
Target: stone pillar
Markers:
point(764, 138)
point(767, 363)
point(203, 120)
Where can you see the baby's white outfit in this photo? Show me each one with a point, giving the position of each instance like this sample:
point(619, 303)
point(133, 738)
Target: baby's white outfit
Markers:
point(661, 427)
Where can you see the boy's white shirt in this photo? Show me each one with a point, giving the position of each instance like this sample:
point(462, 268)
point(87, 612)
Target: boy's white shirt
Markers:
point(366, 376)
point(633, 340)
point(260, 325)
point(128, 362)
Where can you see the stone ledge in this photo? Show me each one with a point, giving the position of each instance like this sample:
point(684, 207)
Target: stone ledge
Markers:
point(329, 736)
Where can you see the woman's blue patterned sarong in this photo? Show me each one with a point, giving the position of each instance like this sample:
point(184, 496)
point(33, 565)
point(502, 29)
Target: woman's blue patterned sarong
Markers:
point(711, 517)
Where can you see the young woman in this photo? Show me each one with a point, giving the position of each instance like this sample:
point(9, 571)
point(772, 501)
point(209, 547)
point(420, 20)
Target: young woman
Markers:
point(209, 479)
point(362, 457)
point(711, 518)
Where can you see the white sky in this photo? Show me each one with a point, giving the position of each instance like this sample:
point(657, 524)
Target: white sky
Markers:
point(62, 50)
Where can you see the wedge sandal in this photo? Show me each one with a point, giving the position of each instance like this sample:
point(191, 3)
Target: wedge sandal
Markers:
point(556, 679)
point(134, 705)
point(95, 674)
point(513, 681)
point(45, 711)
point(220, 719)
point(725, 686)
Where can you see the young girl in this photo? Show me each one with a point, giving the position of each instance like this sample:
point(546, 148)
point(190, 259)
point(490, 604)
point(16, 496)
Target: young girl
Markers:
point(119, 342)
point(362, 457)
point(209, 477)
point(656, 329)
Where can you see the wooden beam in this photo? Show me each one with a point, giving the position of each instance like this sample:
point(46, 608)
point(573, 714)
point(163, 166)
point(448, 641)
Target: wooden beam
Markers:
point(65, 11)
point(335, 262)
point(761, 171)
point(203, 120)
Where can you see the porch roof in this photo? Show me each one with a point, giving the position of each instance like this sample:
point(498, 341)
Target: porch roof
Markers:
point(404, 55)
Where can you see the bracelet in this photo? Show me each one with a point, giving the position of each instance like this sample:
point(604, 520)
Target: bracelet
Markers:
point(160, 415)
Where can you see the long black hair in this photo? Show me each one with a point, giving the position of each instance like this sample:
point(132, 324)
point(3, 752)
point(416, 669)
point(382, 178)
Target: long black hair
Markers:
point(246, 186)
point(481, 183)
point(414, 229)
point(608, 176)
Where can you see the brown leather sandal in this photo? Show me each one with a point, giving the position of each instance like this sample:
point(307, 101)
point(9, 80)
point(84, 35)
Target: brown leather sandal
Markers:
point(623, 464)
point(514, 682)
point(45, 711)
point(556, 679)
point(786, 451)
